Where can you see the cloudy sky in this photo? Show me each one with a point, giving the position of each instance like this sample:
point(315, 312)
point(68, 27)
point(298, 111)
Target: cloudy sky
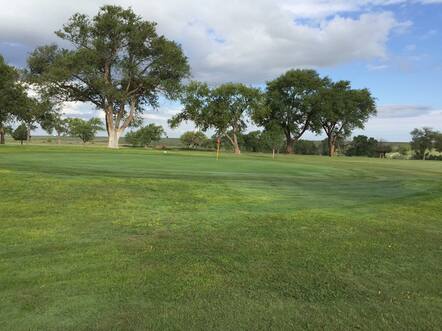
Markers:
point(392, 47)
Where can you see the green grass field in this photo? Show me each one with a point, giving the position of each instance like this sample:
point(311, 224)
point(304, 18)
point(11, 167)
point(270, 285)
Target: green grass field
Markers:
point(134, 239)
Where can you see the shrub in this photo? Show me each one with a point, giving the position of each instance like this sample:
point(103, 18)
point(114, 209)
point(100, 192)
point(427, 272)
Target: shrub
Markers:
point(196, 139)
point(145, 136)
point(20, 133)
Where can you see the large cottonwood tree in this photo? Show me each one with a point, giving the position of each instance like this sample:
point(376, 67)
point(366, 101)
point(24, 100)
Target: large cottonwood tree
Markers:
point(289, 104)
point(341, 109)
point(223, 109)
point(116, 61)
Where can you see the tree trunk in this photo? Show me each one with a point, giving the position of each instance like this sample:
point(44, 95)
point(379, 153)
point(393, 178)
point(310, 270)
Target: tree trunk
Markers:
point(331, 147)
point(58, 138)
point(28, 136)
point(290, 143)
point(235, 144)
point(2, 135)
point(273, 153)
point(114, 137)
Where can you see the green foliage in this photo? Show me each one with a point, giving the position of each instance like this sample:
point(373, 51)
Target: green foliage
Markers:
point(252, 141)
point(306, 147)
point(363, 146)
point(195, 139)
point(438, 142)
point(13, 97)
point(289, 104)
point(382, 148)
point(223, 108)
point(20, 133)
point(422, 142)
point(341, 109)
point(273, 138)
point(146, 135)
point(54, 122)
point(402, 150)
point(85, 130)
point(116, 61)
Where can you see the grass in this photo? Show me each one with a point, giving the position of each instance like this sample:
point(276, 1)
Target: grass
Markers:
point(141, 240)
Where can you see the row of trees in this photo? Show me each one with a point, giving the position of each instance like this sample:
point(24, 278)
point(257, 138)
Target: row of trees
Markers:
point(293, 103)
point(75, 127)
point(424, 142)
point(117, 62)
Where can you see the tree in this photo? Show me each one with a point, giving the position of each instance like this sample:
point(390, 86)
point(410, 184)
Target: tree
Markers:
point(422, 141)
point(116, 61)
point(85, 130)
point(273, 138)
point(362, 146)
point(289, 104)
point(20, 133)
point(13, 97)
point(252, 141)
point(306, 147)
point(342, 109)
point(35, 111)
point(223, 109)
point(192, 139)
point(54, 122)
point(146, 135)
point(438, 142)
point(382, 148)
point(402, 150)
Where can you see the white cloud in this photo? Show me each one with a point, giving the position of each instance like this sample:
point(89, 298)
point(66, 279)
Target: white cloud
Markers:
point(401, 111)
point(375, 67)
point(248, 40)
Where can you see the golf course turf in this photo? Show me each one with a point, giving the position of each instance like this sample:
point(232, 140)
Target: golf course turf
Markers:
point(135, 239)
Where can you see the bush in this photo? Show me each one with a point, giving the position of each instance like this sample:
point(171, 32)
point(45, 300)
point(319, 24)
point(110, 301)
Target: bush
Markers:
point(20, 133)
point(362, 146)
point(85, 130)
point(434, 157)
point(145, 136)
point(397, 156)
point(194, 140)
point(306, 147)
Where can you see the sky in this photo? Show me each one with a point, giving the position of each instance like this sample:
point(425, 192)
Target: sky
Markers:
point(392, 47)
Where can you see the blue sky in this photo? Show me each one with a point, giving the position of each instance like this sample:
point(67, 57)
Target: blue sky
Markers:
point(392, 47)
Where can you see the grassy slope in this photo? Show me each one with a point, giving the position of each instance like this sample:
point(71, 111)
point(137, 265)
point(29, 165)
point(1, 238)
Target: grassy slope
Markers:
point(135, 239)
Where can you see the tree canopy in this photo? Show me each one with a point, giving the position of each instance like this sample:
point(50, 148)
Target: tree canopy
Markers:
point(13, 97)
point(289, 104)
point(145, 135)
point(341, 109)
point(116, 61)
point(192, 139)
point(20, 133)
point(223, 108)
point(362, 146)
point(422, 141)
point(85, 130)
point(54, 122)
